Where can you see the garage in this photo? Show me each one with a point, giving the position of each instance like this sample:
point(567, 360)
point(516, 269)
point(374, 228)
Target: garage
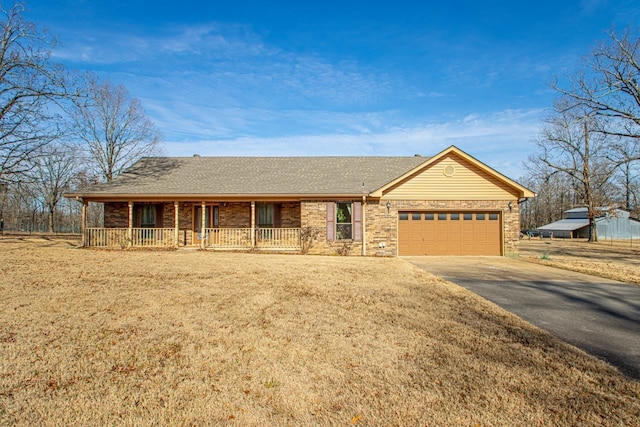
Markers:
point(450, 233)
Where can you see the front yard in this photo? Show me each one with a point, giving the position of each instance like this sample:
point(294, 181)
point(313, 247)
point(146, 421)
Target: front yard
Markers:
point(199, 338)
point(616, 260)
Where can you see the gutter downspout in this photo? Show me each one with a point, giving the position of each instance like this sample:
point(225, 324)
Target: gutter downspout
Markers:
point(364, 225)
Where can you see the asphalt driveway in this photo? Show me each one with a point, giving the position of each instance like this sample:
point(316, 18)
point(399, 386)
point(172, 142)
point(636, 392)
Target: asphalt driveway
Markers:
point(600, 316)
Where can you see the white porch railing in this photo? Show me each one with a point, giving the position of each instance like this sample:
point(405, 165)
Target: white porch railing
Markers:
point(231, 238)
point(119, 237)
point(152, 237)
point(278, 238)
point(106, 237)
point(222, 238)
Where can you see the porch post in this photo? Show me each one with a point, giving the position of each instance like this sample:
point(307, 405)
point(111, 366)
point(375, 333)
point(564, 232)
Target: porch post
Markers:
point(130, 228)
point(176, 224)
point(84, 223)
point(253, 224)
point(203, 224)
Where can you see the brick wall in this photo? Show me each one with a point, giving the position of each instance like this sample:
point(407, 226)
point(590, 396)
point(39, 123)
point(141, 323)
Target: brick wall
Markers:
point(116, 215)
point(235, 215)
point(381, 224)
point(314, 214)
point(290, 215)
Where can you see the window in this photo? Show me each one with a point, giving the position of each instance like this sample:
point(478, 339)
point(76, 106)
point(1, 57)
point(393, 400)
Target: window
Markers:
point(455, 216)
point(344, 224)
point(467, 216)
point(442, 217)
point(148, 216)
point(265, 215)
point(403, 216)
point(428, 217)
point(416, 216)
point(344, 221)
point(493, 217)
point(479, 217)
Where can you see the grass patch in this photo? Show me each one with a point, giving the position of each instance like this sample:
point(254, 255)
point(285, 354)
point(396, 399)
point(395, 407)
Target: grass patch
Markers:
point(617, 260)
point(197, 338)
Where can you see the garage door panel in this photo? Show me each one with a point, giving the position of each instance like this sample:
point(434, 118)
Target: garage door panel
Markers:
point(450, 233)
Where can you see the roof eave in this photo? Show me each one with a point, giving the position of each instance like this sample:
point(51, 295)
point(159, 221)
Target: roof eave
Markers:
point(118, 197)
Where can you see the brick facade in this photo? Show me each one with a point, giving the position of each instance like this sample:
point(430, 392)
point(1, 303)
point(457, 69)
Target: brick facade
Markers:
point(381, 232)
point(116, 215)
point(381, 224)
point(314, 215)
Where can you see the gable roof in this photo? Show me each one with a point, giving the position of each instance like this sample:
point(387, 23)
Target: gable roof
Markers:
point(522, 191)
point(252, 176)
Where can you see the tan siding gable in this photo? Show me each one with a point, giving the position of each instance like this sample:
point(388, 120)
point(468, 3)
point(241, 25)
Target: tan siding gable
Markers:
point(436, 182)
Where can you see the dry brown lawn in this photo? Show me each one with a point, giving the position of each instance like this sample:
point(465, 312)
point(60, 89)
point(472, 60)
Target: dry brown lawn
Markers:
point(198, 338)
point(616, 260)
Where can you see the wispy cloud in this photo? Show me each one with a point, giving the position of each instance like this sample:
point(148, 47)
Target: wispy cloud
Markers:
point(219, 89)
point(492, 138)
point(225, 65)
point(198, 42)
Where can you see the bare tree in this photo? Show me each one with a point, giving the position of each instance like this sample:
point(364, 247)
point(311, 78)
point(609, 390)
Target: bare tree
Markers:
point(32, 90)
point(607, 86)
point(624, 153)
point(55, 168)
point(572, 143)
point(555, 193)
point(114, 128)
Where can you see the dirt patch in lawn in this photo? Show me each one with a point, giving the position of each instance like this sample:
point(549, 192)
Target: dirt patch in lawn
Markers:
point(616, 260)
point(199, 338)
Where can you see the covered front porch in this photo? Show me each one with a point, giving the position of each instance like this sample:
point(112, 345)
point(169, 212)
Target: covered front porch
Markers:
point(238, 225)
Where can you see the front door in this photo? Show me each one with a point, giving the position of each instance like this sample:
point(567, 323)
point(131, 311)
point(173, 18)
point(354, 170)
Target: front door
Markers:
point(210, 220)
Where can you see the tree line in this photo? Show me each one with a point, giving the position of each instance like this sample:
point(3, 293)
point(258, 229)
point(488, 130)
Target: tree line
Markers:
point(59, 129)
point(589, 145)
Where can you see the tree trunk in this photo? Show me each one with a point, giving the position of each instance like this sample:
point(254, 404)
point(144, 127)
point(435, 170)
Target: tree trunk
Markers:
point(51, 220)
point(588, 192)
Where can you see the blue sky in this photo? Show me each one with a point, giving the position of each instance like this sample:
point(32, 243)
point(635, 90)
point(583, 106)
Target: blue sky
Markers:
point(293, 78)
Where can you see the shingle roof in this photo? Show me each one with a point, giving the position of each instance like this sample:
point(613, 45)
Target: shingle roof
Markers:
point(255, 175)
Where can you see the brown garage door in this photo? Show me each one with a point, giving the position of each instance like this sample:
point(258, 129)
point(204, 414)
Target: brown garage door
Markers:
point(449, 233)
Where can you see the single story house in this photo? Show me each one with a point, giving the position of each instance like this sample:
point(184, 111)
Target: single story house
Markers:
point(611, 223)
point(448, 204)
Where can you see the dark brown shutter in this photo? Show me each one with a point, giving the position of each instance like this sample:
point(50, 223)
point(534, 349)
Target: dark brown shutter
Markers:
point(357, 221)
point(137, 216)
point(277, 215)
point(331, 221)
point(159, 216)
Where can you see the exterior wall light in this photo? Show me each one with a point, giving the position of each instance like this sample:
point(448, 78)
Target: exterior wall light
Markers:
point(510, 206)
point(388, 205)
